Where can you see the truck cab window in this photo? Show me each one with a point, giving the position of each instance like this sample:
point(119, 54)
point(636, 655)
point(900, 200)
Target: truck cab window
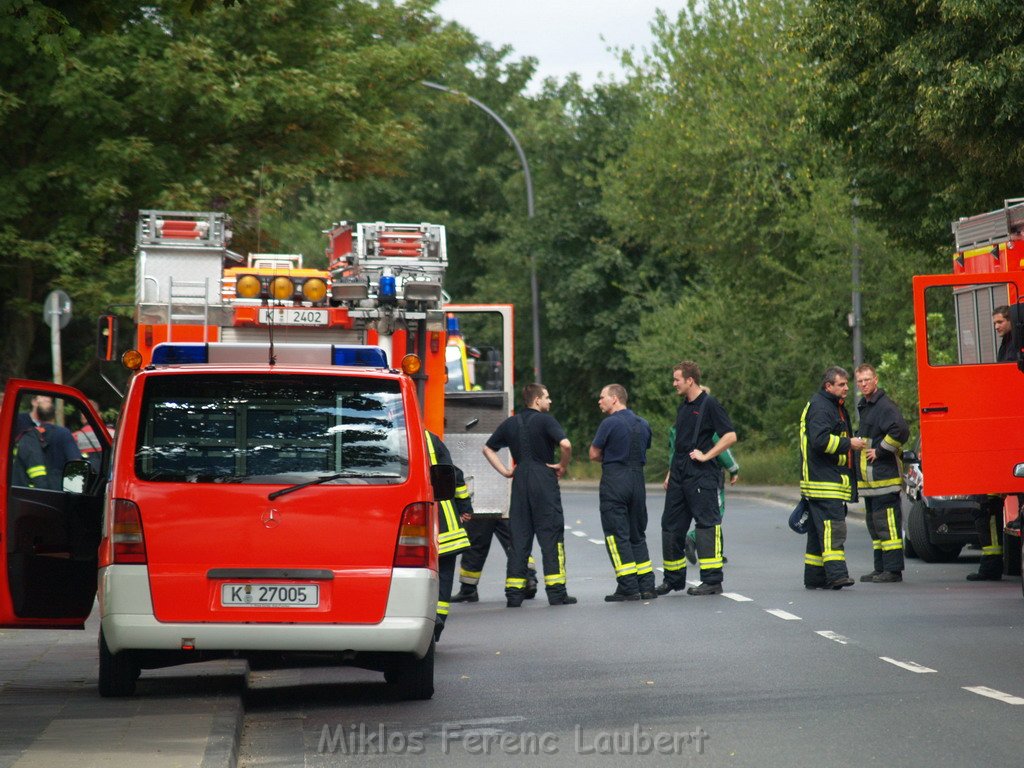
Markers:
point(960, 329)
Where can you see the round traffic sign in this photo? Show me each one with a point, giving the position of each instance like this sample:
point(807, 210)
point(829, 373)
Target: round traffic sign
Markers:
point(57, 305)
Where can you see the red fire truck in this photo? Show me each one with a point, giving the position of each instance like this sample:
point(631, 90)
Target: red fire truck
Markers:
point(269, 491)
point(972, 441)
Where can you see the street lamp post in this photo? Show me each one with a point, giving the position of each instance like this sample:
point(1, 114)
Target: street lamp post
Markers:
point(534, 289)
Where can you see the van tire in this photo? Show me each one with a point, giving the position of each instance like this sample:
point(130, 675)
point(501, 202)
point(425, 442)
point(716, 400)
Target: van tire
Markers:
point(917, 533)
point(118, 671)
point(1011, 554)
point(414, 678)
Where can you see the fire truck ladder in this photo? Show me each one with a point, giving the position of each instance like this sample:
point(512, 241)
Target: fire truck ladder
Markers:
point(187, 303)
point(990, 228)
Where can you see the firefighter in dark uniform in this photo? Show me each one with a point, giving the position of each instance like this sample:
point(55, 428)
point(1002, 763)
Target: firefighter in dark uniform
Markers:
point(42, 448)
point(451, 536)
point(621, 445)
point(30, 461)
point(827, 480)
point(691, 485)
point(482, 530)
point(536, 507)
point(880, 475)
point(988, 522)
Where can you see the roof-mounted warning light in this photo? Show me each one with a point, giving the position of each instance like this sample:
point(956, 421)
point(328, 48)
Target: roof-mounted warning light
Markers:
point(222, 353)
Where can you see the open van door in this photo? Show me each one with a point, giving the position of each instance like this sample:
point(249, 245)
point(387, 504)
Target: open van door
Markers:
point(479, 396)
point(972, 423)
point(51, 504)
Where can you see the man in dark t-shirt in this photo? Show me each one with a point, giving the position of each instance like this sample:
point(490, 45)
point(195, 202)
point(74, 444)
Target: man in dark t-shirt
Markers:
point(621, 445)
point(691, 485)
point(536, 506)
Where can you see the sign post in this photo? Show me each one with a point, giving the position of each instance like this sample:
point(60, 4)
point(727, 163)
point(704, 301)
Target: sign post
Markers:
point(57, 315)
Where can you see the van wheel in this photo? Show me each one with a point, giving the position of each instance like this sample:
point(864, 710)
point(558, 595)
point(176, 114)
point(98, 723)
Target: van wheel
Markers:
point(414, 678)
point(118, 671)
point(917, 533)
point(1011, 554)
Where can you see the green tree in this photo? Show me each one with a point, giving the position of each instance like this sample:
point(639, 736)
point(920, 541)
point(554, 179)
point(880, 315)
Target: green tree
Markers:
point(151, 106)
point(745, 214)
point(925, 98)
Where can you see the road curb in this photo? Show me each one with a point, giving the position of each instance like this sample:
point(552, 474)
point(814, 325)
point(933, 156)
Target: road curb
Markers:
point(225, 737)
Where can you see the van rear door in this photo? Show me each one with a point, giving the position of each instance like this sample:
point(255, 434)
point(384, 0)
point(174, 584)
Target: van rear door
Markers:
point(972, 426)
point(272, 497)
point(49, 518)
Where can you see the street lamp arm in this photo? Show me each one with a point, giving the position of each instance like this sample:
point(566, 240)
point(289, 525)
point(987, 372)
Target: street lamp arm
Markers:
point(508, 132)
point(534, 288)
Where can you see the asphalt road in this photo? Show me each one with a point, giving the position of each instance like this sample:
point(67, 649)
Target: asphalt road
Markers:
point(923, 673)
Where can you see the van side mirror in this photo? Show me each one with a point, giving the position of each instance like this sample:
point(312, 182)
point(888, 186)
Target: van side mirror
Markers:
point(78, 476)
point(442, 478)
point(911, 457)
point(106, 338)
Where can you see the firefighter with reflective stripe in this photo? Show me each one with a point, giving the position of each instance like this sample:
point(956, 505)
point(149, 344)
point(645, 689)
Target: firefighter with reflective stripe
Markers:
point(536, 506)
point(451, 536)
point(691, 485)
point(482, 530)
point(827, 480)
point(880, 475)
point(621, 445)
point(30, 460)
point(988, 522)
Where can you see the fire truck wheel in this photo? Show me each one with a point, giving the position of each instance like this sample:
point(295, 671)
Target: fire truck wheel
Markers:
point(917, 534)
point(118, 671)
point(414, 678)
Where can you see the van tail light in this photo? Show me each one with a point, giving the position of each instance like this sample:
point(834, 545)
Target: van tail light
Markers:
point(127, 537)
point(414, 534)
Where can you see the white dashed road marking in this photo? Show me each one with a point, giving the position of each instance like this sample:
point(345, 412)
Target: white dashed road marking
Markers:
point(913, 666)
point(581, 534)
point(992, 693)
point(596, 541)
point(828, 634)
point(737, 597)
point(785, 615)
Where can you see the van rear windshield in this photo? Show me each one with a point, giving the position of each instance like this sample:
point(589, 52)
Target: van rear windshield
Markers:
point(268, 429)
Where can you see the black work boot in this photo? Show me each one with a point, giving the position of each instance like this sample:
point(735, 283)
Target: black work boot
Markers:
point(467, 594)
point(531, 585)
point(561, 598)
point(705, 589)
point(621, 597)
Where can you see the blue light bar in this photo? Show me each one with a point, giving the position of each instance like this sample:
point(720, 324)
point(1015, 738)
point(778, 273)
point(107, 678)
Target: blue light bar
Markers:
point(358, 356)
point(181, 354)
point(452, 323)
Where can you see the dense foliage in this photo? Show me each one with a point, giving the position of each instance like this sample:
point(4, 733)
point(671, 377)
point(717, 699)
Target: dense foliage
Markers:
point(706, 207)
